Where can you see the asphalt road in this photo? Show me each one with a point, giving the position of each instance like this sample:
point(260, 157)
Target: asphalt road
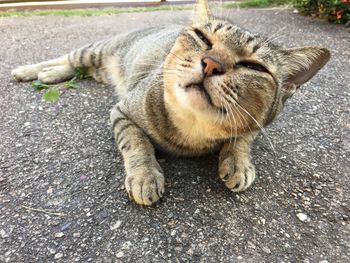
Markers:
point(61, 196)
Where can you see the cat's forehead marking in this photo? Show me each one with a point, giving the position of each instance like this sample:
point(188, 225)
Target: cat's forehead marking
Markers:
point(242, 43)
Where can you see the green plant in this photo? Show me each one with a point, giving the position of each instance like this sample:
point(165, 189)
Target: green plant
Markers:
point(53, 92)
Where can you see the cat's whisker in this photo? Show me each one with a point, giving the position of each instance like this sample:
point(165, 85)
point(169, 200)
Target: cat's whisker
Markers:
point(232, 98)
point(221, 116)
point(232, 115)
point(235, 104)
point(235, 125)
point(229, 98)
point(274, 36)
point(261, 128)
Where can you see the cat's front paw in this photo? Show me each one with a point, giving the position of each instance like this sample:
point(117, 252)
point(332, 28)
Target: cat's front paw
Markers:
point(145, 186)
point(237, 176)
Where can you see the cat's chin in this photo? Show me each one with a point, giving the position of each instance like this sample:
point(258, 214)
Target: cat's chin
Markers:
point(196, 97)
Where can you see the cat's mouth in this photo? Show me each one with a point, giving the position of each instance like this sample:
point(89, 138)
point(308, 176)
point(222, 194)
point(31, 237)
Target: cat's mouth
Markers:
point(200, 88)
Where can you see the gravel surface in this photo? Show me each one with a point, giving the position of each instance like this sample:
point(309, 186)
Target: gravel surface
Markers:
point(61, 178)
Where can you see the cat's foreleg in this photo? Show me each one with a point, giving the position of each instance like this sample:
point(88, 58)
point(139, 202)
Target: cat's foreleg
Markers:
point(235, 167)
point(144, 180)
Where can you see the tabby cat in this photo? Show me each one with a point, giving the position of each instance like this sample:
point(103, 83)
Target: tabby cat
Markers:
point(209, 86)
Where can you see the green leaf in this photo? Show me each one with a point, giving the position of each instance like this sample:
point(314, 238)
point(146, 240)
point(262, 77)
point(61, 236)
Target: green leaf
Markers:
point(38, 85)
point(71, 85)
point(52, 95)
point(80, 73)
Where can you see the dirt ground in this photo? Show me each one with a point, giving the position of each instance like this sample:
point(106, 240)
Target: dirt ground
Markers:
point(61, 178)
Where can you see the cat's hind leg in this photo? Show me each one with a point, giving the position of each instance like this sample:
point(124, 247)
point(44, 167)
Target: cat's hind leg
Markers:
point(91, 58)
point(52, 71)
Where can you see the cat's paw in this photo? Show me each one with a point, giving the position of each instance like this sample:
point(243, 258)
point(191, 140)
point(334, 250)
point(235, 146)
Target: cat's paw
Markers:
point(56, 74)
point(145, 187)
point(26, 73)
point(237, 176)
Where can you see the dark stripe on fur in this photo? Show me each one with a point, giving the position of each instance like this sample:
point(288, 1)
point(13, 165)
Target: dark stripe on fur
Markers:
point(125, 146)
point(191, 39)
point(99, 60)
point(270, 116)
point(121, 112)
point(81, 58)
point(93, 58)
point(219, 26)
point(116, 121)
point(250, 39)
point(118, 133)
point(255, 48)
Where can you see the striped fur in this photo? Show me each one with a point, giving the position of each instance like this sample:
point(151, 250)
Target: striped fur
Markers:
point(189, 91)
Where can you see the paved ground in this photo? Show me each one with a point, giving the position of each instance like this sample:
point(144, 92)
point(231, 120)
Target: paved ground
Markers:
point(61, 158)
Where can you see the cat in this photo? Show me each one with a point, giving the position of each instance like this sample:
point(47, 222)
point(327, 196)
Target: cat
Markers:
point(189, 90)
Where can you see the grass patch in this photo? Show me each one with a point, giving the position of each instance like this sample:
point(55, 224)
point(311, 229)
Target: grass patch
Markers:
point(113, 11)
point(258, 3)
point(91, 12)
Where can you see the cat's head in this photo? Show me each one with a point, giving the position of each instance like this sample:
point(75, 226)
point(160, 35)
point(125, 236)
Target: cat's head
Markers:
point(226, 75)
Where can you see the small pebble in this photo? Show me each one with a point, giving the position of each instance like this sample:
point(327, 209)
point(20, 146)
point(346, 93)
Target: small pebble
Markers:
point(120, 254)
point(59, 234)
point(116, 225)
point(302, 216)
point(65, 226)
point(58, 255)
point(83, 178)
point(266, 250)
point(3, 233)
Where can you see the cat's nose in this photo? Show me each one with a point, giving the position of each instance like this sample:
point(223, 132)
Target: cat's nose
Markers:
point(212, 67)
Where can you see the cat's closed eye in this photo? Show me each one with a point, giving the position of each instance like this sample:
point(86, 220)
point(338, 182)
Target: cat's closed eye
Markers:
point(203, 38)
point(251, 66)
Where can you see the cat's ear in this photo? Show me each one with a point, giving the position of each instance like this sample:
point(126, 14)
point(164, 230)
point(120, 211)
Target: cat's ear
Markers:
point(301, 64)
point(202, 12)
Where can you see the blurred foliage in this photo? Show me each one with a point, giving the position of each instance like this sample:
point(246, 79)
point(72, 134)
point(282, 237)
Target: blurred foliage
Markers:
point(336, 11)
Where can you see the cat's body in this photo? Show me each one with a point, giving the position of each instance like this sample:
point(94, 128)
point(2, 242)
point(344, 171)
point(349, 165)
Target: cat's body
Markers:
point(189, 91)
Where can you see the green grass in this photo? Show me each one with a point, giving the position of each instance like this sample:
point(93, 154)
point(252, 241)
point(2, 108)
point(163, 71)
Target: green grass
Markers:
point(112, 11)
point(258, 3)
point(90, 12)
